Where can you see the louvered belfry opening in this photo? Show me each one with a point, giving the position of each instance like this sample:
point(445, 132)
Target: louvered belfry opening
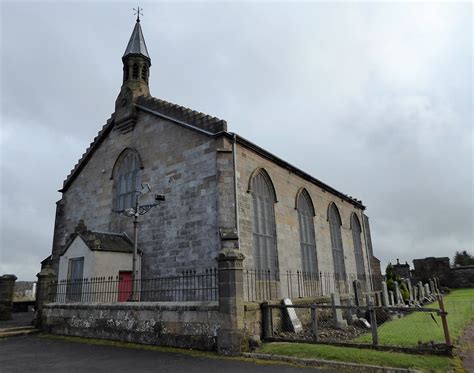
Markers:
point(307, 235)
point(336, 242)
point(264, 230)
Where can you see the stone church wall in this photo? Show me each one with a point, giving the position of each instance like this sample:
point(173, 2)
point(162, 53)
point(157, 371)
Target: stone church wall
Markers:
point(181, 233)
point(286, 186)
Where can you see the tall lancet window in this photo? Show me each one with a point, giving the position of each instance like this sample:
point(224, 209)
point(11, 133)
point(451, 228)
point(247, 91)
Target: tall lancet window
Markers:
point(264, 230)
point(126, 179)
point(356, 237)
point(307, 236)
point(336, 241)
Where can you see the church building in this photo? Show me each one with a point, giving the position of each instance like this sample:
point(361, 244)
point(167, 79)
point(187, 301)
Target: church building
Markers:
point(221, 191)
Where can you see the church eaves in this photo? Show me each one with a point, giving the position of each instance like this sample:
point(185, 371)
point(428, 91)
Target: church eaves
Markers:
point(136, 44)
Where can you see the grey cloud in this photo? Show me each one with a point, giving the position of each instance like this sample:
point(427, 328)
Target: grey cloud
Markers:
point(372, 98)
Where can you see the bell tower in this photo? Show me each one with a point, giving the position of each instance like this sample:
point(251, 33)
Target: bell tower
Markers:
point(136, 72)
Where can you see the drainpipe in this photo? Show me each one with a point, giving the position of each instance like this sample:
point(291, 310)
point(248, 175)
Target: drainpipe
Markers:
point(236, 199)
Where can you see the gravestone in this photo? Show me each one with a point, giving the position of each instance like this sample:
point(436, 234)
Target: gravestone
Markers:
point(357, 292)
point(415, 293)
point(410, 290)
point(427, 291)
point(398, 295)
point(385, 300)
point(392, 302)
point(421, 291)
point(339, 321)
point(293, 322)
point(378, 298)
point(351, 314)
point(432, 287)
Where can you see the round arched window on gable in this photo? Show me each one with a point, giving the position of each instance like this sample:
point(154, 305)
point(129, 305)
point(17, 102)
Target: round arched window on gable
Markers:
point(126, 179)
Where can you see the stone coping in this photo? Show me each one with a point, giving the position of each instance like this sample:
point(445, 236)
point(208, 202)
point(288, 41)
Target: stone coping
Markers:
point(338, 365)
point(138, 306)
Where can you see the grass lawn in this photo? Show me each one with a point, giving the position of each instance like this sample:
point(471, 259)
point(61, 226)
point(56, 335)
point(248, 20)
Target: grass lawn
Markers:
point(406, 331)
point(420, 326)
point(361, 356)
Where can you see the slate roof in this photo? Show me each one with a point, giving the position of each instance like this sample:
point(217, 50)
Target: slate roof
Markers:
point(136, 44)
point(103, 241)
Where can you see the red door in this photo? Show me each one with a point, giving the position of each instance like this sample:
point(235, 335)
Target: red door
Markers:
point(125, 286)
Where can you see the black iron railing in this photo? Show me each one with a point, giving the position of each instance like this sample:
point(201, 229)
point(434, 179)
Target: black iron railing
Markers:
point(188, 286)
point(264, 285)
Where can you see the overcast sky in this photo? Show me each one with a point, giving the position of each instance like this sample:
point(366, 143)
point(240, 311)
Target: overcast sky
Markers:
point(374, 99)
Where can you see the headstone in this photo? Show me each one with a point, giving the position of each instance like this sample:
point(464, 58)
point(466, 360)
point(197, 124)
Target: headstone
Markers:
point(438, 285)
point(427, 291)
point(350, 313)
point(432, 286)
point(363, 323)
point(357, 292)
point(415, 293)
point(340, 323)
point(385, 294)
point(421, 291)
point(398, 295)
point(294, 322)
point(378, 298)
point(392, 301)
point(410, 290)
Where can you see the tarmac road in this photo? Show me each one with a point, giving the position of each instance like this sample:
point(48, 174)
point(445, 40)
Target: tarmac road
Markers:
point(39, 354)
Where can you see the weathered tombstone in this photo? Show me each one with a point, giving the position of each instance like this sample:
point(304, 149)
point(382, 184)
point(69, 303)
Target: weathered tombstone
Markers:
point(427, 291)
point(421, 291)
point(293, 322)
point(339, 322)
point(385, 294)
point(357, 292)
point(432, 286)
point(378, 298)
point(398, 295)
point(392, 301)
point(415, 293)
point(410, 290)
point(351, 317)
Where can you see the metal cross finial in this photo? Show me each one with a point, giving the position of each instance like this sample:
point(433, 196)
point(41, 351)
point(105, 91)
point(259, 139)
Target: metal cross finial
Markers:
point(138, 13)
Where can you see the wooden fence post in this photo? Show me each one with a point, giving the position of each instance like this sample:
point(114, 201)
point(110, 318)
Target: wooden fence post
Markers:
point(444, 320)
point(373, 321)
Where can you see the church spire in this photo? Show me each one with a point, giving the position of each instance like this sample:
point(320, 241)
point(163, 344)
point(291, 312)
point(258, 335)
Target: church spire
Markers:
point(136, 61)
point(136, 71)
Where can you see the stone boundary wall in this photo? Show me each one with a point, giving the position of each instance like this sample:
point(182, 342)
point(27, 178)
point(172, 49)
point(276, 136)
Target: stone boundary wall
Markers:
point(186, 325)
point(462, 277)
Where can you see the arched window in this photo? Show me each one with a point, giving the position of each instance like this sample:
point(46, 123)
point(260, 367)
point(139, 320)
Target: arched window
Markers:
point(307, 236)
point(264, 230)
point(126, 178)
point(359, 257)
point(135, 71)
point(336, 241)
point(144, 74)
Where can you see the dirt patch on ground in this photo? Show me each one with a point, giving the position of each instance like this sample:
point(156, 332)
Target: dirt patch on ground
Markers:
point(467, 348)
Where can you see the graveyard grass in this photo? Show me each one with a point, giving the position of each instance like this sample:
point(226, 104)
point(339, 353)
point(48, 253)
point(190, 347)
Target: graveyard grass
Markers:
point(420, 326)
point(406, 331)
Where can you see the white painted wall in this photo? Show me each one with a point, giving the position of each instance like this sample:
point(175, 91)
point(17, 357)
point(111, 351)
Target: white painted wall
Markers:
point(96, 263)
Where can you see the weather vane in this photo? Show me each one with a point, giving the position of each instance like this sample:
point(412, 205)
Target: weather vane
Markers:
point(138, 13)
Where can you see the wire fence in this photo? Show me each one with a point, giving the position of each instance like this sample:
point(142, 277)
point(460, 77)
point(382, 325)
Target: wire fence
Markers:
point(262, 285)
point(188, 286)
point(401, 328)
